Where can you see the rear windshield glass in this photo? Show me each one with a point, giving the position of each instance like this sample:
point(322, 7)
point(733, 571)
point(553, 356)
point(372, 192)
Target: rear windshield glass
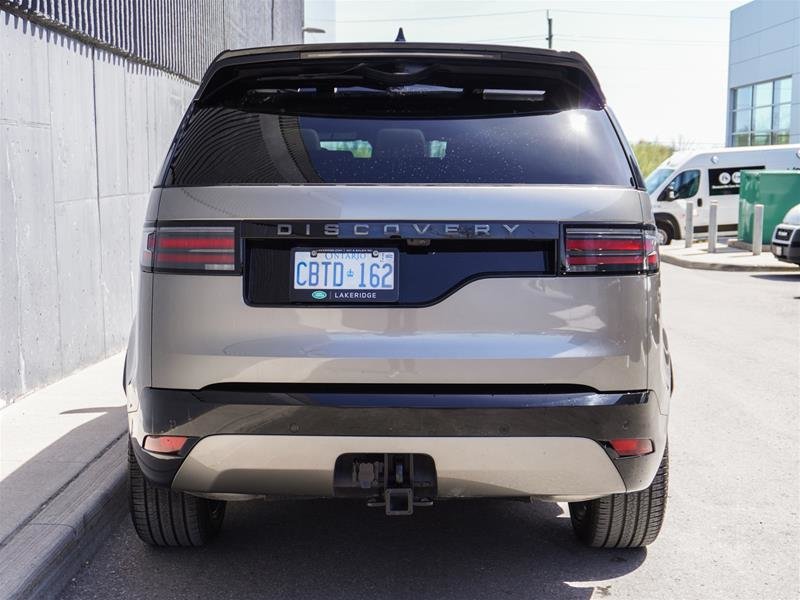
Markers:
point(229, 146)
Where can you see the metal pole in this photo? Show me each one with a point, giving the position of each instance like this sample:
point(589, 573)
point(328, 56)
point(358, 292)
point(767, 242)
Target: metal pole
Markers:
point(712, 226)
point(688, 228)
point(549, 30)
point(758, 228)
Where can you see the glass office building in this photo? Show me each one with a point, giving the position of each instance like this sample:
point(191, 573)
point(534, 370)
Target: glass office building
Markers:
point(764, 74)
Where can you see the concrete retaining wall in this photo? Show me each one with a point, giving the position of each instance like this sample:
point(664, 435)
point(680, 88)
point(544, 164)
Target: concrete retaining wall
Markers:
point(83, 133)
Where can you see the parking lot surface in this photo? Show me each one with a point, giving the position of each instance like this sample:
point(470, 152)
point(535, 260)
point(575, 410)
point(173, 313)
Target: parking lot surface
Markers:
point(732, 519)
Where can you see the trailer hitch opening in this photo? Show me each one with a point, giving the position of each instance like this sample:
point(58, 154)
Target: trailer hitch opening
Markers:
point(395, 482)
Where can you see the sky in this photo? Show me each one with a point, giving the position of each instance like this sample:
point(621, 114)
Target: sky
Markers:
point(663, 65)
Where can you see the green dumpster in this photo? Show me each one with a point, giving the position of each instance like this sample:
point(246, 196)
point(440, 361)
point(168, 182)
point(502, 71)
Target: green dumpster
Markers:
point(778, 191)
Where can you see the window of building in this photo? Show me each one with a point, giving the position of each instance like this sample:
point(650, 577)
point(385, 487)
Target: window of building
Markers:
point(762, 113)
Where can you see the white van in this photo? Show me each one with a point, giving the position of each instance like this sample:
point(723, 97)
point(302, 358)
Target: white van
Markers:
point(702, 176)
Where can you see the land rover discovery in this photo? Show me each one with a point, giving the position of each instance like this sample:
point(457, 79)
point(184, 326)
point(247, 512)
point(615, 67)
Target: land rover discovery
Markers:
point(402, 273)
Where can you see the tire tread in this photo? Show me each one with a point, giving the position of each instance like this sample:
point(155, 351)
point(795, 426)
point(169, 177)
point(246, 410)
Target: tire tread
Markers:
point(162, 517)
point(628, 520)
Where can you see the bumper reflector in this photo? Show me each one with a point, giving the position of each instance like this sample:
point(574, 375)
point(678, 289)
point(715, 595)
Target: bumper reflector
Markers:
point(164, 444)
point(632, 446)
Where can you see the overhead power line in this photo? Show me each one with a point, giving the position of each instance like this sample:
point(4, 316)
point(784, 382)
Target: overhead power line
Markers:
point(444, 18)
point(599, 38)
point(529, 12)
point(592, 39)
point(626, 14)
point(518, 38)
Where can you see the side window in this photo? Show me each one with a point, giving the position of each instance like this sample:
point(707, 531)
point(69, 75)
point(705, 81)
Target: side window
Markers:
point(683, 186)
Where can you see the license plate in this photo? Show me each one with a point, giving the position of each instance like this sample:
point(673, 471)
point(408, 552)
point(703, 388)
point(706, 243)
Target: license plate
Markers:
point(778, 250)
point(343, 275)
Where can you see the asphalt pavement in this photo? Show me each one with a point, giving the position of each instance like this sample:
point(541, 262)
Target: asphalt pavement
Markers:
point(732, 528)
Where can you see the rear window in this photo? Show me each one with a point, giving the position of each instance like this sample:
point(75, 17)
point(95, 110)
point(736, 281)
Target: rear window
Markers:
point(230, 146)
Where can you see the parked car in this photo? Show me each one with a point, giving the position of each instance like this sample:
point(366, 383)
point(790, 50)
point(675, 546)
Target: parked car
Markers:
point(400, 273)
point(702, 176)
point(786, 237)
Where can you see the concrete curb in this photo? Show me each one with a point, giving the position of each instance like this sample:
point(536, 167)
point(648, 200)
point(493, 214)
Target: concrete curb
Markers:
point(710, 266)
point(44, 553)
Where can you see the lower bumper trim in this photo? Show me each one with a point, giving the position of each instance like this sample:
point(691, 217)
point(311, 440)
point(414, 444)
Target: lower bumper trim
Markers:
point(551, 467)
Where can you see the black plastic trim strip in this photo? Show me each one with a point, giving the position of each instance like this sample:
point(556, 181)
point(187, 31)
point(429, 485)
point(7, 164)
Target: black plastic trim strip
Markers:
point(596, 416)
point(469, 231)
point(160, 469)
point(413, 397)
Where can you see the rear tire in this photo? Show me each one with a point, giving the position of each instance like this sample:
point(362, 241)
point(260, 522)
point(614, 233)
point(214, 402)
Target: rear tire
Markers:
point(165, 518)
point(665, 232)
point(631, 520)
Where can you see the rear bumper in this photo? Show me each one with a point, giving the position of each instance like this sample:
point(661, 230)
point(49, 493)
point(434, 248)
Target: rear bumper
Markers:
point(786, 243)
point(558, 468)
point(545, 444)
point(785, 253)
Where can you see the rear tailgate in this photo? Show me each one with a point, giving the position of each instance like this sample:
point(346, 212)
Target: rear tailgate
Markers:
point(509, 327)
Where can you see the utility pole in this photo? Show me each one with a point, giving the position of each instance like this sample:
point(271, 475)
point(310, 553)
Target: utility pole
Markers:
point(549, 30)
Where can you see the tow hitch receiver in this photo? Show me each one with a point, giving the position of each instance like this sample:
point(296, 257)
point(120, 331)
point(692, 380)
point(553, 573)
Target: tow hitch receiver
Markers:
point(396, 482)
point(399, 501)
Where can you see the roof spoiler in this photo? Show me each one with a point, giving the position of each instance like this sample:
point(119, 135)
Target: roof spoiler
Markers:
point(567, 69)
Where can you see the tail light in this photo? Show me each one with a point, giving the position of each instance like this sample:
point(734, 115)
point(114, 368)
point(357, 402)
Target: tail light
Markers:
point(190, 249)
point(625, 250)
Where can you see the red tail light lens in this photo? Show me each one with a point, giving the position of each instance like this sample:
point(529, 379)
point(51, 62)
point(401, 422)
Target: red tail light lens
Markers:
point(626, 250)
point(165, 444)
point(198, 249)
point(632, 446)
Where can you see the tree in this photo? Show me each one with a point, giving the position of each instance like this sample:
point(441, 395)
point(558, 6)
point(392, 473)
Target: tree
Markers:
point(651, 154)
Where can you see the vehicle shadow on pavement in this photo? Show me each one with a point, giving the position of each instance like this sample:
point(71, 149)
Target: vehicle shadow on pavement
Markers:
point(778, 276)
point(342, 549)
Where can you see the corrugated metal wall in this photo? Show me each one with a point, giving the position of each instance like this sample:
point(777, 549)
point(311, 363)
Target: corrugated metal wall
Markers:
point(178, 36)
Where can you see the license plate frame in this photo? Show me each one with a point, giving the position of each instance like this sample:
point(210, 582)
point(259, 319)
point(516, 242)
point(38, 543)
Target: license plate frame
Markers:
point(331, 294)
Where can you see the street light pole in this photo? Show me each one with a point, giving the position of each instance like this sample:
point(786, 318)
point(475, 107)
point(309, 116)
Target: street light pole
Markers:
point(306, 30)
point(549, 30)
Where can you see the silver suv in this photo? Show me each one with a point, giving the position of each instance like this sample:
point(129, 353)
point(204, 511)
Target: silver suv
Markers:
point(401, 273)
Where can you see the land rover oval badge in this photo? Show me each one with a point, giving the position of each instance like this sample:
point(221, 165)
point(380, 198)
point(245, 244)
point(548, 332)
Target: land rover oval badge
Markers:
point(319, 295)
